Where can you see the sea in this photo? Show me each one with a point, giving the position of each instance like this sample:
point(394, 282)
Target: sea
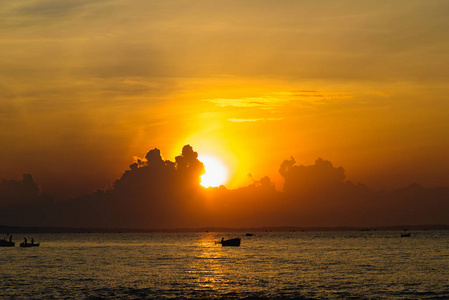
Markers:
point(268, 265)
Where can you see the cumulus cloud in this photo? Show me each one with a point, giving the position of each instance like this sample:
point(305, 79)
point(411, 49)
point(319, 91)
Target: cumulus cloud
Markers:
point(156, 192)
point(19, 192)
point(153, 173)
point(303, 178)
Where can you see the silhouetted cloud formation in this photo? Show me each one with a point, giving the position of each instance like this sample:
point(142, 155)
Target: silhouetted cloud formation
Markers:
point(299, 179)
point(19, 192)
point(158, 193)
point(155, 192)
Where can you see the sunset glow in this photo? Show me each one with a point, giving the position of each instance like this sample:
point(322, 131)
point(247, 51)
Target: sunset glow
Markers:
point(216, 173)
point(299, 108)
point(183, 129)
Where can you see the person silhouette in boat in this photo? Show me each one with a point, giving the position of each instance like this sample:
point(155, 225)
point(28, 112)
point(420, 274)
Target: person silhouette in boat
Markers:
point(10, 238)
point(32, 241)
point(25, 240)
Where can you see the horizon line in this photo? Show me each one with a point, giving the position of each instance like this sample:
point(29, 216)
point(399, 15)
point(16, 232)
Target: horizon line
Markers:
point(54, 229)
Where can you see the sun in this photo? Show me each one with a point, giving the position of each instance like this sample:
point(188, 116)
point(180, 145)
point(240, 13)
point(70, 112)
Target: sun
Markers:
point(216, 173)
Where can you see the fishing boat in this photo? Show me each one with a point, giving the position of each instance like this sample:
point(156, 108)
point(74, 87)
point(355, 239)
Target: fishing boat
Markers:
point(5, 243)
point(26, 245)
point(231, 242)
point(405, 233)
point(249, 234)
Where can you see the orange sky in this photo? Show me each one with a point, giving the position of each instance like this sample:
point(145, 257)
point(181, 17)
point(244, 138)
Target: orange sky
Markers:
point(87, 85)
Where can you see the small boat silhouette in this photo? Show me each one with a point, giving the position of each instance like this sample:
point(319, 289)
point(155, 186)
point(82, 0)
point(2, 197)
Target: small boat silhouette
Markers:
point(405, 233)
point(23, 244)
point(249, 234)
point(231, 242)
point(5, 243)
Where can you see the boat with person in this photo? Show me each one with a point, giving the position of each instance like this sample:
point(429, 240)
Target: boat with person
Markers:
point(405, 233)
point(25, 243)
point(231, 242)
point(5, 243)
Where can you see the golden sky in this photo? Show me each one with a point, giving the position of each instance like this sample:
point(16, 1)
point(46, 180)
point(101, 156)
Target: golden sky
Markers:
point(87, 85)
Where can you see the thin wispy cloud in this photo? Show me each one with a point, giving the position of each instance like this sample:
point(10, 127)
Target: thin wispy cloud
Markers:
point(322, 94)
point(264, 103)
point(280, 99)
point(254, 120)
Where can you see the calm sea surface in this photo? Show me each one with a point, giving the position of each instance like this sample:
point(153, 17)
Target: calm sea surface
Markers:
point(307, 265)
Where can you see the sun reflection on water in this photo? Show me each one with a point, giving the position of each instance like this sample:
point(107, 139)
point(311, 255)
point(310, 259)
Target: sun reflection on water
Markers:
point(208, 266)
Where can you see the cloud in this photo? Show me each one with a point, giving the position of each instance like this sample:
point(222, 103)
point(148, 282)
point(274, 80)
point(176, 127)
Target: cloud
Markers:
point(246, 102)
point(20, 192)
point(276, 102)
point(52, 8)
point(299, 179)
point(254, 120)
point(153, 173)
point(158, 192)
point(282, 98)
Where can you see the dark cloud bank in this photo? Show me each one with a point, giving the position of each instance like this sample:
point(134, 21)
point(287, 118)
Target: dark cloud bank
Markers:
point(158, 193)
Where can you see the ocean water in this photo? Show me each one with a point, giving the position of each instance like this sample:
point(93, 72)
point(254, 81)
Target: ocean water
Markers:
point(304, 265)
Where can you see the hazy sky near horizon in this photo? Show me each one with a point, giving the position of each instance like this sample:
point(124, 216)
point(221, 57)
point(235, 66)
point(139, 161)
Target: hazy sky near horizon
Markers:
point(87, 85)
